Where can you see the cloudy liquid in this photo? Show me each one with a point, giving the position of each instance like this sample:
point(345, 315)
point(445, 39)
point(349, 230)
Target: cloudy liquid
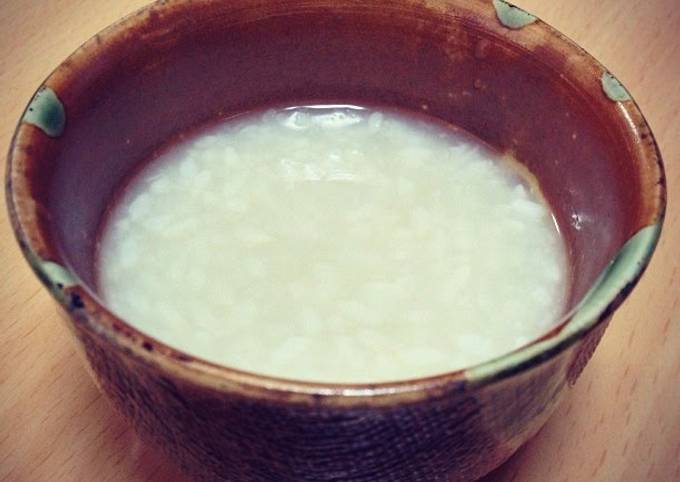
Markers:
point(334, 244)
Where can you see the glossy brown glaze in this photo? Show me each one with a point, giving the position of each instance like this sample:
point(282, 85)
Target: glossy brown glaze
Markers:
point(176, 65)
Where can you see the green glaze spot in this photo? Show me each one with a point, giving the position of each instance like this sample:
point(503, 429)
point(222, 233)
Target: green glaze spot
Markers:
point(615, 278)
point(56, 278)
point(57, 274)
point(512, 17)
point(621, 271)
point(46, 112)
point(613, 88)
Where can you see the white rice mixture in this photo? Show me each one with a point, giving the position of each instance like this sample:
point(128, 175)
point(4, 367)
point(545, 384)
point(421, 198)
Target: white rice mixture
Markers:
point(334, 244)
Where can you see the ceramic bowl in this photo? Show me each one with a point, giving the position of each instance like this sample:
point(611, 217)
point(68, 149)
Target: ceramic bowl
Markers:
point(485, 66)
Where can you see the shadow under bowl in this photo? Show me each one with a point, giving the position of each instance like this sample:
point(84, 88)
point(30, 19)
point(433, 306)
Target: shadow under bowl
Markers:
point(484, 66)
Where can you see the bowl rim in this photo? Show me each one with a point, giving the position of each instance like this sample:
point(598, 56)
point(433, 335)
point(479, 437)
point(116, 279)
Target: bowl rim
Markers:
point(607, 293)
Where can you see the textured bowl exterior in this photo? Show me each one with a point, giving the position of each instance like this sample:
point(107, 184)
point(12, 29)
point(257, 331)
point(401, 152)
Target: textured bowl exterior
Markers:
point(455, 432)
point(485, 65)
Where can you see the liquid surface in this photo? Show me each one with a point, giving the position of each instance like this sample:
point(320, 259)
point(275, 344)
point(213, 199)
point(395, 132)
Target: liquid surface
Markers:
point(333, 245)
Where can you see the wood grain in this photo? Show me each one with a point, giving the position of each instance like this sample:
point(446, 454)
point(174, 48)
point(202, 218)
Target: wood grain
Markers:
point(620, 423)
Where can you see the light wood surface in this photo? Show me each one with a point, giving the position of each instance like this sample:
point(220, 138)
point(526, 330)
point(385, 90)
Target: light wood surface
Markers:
point(620, 423)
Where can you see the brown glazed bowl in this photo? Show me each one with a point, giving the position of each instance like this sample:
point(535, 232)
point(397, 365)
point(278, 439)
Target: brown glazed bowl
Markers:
point(483, 65)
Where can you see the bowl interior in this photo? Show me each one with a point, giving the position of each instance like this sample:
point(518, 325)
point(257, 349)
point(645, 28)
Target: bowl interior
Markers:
point(173, 68)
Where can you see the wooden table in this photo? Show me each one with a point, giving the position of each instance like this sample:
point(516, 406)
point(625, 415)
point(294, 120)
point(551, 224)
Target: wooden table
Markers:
point(620, 423)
